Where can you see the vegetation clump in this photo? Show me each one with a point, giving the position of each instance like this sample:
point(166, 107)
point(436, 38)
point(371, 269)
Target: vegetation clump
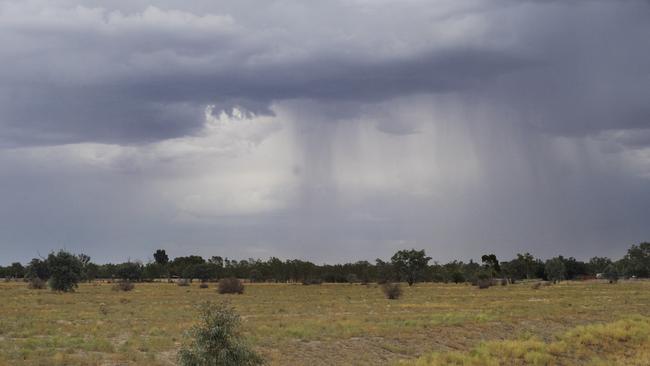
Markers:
point(217, 341)
point(183, 282)
point(123, 286)
point(36, 284)
point(392, 291)
point(483, 279)
point(555, 270)
point(65, 271)
point(230, 285)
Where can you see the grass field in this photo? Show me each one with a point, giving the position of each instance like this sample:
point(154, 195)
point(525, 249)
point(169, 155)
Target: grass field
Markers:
point(567, 323)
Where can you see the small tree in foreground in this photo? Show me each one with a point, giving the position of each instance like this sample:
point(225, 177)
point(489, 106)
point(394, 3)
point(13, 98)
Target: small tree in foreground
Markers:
point(65, 271)
point(216, 340)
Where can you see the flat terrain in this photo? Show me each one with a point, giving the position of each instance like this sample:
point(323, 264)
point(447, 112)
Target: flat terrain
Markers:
point(329, 324)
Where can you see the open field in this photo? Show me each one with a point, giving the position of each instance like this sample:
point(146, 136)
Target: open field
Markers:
point(332, 324)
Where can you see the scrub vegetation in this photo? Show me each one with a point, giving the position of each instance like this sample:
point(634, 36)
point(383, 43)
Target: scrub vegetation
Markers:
point(576, 322)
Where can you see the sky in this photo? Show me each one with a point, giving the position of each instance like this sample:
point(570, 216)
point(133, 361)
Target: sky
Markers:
point(331, 131)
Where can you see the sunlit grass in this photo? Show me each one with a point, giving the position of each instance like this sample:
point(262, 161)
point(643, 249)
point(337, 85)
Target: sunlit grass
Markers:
point(295, 324)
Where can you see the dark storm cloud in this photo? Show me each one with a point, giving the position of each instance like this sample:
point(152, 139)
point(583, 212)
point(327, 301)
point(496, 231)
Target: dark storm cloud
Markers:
point(135, 73)
point(74, 74)
point(370, 126)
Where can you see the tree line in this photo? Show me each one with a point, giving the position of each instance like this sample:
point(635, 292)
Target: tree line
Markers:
point(406, 265)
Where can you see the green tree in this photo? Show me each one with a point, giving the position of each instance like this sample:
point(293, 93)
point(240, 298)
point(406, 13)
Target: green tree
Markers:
point(37, 268)
point(65, 271)
point(524, 266)
point(129, 271)
point(410, 264)
point(154, 270)
point(179, 264)
point(491, 264)
point(91, 271)
point(598, 265)
point(85, 262)
point(16, 270)
point(457, 277)
point(160, 256)
point(637, 260)
point(555, 269)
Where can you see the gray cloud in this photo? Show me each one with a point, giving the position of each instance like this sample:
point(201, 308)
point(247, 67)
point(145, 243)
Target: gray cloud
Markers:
point(361, 127)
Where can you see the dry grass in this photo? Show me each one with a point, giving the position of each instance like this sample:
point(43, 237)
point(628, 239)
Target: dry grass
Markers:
point(316, 325)
point(623, 342)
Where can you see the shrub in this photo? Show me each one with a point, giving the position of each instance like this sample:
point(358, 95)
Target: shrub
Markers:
point(203, 285)
point(231, 286)
point(65, 271)
point(393, 291)
point(217, 341)
point(36, 284)
point(483, 283)
point(123, 286)
point(103, 309)
point(183, 282)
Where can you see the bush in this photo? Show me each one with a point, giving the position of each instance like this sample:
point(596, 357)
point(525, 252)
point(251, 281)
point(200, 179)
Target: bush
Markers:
point(183, 282)
point(123, 286)
point(65, 271)
point(103, 309)
point(203, 285)
point(217, 341)
point(393, 291)
point(231, 286)
point(36, 284)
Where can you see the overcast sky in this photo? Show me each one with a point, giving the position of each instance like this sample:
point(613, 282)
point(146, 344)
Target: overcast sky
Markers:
point(325, 130)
